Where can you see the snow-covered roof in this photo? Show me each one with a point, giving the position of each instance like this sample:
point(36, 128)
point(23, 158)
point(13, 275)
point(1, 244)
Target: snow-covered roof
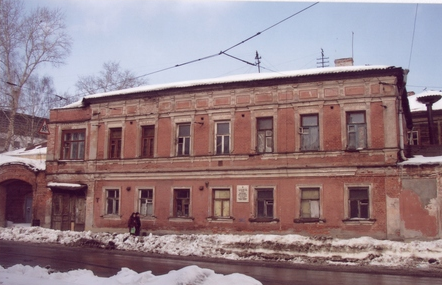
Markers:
point(14, 157)
point(68, 186)
point(234, 79)
point(416, 106)
point(419, 160)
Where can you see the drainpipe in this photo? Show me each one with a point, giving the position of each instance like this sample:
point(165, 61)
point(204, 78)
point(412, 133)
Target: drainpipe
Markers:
point(400, 118)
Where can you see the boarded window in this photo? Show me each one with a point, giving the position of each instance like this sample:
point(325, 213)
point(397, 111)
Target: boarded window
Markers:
point(221, 203)
point(310, 203)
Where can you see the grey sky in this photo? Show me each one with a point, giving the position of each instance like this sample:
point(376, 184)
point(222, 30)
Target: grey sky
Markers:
point(148, 36)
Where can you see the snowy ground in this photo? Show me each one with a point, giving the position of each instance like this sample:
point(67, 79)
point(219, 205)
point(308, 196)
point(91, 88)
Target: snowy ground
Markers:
point(363, 251)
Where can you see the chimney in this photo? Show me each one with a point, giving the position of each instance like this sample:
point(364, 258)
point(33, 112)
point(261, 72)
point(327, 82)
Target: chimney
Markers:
point(344, 61)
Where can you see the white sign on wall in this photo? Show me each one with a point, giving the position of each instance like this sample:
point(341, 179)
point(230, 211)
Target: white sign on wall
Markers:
point(242, 193)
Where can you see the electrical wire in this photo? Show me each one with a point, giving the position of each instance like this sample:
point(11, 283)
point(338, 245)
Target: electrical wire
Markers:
point(238, 44)
point(412, 39)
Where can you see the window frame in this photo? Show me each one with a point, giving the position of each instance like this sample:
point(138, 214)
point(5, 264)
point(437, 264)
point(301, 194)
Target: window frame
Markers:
point(147, 141)
point(140, 201)
point(268, 136)
point(305, 132)
point(115, 153)
point(256, 204)
point(176, 204)
point(348, 207)
point(64, 142)
point(183, 143)
point(224, 149)
point(116, 202)
point(359, 129)
point(413, 137)
point(223, 201)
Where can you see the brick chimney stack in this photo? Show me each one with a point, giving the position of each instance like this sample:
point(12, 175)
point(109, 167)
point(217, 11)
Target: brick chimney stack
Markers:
point(344, 61)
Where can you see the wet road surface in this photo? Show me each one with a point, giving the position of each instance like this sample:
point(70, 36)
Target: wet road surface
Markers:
point(108, 262)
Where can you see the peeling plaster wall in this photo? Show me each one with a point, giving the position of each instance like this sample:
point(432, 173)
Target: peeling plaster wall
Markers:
point(419, 208)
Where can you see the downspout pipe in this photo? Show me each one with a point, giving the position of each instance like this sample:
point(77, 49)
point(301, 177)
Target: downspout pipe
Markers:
point(401, 91)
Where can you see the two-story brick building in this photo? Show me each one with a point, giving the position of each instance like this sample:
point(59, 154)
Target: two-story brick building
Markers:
point(311, 152)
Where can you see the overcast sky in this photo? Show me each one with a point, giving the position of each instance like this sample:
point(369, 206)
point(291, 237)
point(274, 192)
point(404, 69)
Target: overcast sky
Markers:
point(146, 36)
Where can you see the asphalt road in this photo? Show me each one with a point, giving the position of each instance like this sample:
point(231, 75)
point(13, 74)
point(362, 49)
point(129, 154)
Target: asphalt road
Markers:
point(108, 262)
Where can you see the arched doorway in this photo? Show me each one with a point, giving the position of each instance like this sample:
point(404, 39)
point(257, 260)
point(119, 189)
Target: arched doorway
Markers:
point(18, 201)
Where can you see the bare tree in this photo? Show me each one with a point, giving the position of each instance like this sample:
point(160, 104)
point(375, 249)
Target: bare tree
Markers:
point(27, 41)
point(110, 78)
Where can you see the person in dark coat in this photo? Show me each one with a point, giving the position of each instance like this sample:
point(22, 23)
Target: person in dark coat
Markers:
point(137, 222)
point(131, 224)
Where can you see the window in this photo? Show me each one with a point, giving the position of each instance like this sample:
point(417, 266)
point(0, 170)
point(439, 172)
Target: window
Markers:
point(183, 141)
point(112, 202)
point(356, 130)
point(222, 137)
point(413, 137)
point(182, 203)
point(147, 141)
point(145, 202)
point(358, 203)
point(221, 203)
point(115, 143)
point(73, 144)
point(264, 203)
point(264, 135)
point(310, 203)
point(309, 132)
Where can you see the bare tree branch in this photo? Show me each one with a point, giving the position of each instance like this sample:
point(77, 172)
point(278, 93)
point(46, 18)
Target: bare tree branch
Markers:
point(27, 41)
point(109, 79)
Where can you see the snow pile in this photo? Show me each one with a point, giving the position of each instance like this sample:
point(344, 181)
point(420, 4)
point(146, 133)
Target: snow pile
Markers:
point(23, 275)
point(363, 251)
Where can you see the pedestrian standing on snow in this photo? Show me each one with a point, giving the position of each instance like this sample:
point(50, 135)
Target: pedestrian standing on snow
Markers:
point(137, 221)
point(132, 224)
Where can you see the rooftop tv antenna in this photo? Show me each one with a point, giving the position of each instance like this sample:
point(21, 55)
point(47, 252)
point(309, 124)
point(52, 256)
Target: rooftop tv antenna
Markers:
point(257, 61)
point(323, 61)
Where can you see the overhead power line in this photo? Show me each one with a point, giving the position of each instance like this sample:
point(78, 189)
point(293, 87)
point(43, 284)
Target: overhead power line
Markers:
point(223, 52)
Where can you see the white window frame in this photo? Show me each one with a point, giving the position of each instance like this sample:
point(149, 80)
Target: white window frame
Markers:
point(306, 131)
point(139, 200)
point(223, 152)
point(178, 137)
point(106, 204)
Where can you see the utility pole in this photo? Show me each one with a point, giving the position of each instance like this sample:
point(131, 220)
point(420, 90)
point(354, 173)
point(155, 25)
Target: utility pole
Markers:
point(257, 61)
point(323, 61)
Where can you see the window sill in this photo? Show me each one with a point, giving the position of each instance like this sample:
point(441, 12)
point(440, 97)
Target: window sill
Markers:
point(111, 217)
point(359, 221)
point(148, 218)
point(355, 149)
point(308, 220)
point(264, 220)
point(181, 219)
point(220, 219)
